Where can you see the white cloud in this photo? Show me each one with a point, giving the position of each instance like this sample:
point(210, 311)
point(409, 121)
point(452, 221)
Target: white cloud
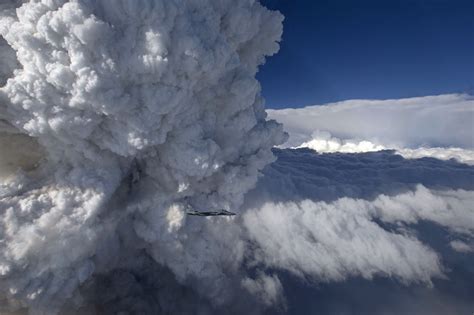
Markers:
point(267, 288)
point(137, 109)
point(302, 221)
point(431, 121)
point(330, 242)
point(433, 126)
point(451, 209)
point(323, 142)
point(461, 155)
point(461, 246)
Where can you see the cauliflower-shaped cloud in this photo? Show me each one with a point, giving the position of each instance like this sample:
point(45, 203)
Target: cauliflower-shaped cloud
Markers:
point(130, 112)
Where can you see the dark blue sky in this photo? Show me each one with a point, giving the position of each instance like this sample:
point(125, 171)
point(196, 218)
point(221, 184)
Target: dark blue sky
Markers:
point(343, 49)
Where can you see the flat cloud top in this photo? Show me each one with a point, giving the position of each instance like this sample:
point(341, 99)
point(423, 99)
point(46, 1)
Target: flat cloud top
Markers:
point(431, 121)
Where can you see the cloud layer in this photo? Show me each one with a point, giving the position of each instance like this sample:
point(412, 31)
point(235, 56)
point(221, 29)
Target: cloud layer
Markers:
point(388, 180)
point(328, 216)
point(431, 121)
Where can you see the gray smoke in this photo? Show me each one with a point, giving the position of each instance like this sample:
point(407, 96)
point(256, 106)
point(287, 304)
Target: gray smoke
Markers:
point(117, 115)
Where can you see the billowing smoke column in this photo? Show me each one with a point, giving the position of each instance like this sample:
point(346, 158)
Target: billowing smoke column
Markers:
point(116, 116)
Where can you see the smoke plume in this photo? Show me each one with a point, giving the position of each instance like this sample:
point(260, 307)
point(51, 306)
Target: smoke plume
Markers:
point(115, 116)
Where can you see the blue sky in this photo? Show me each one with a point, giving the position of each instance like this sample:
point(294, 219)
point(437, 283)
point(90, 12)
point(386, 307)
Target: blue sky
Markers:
point(335, 50)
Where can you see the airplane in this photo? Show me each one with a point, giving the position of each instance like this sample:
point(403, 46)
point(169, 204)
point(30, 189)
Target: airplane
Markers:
point(210, 213)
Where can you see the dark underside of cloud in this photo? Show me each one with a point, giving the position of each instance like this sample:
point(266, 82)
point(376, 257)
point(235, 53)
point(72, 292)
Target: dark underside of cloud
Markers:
point(304, 174)
point(387, 296)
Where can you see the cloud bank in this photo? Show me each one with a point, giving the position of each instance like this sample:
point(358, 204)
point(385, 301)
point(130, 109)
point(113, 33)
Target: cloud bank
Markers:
point(325, 216)
point(328, 219)
point(386, 180)
point(431, 121)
